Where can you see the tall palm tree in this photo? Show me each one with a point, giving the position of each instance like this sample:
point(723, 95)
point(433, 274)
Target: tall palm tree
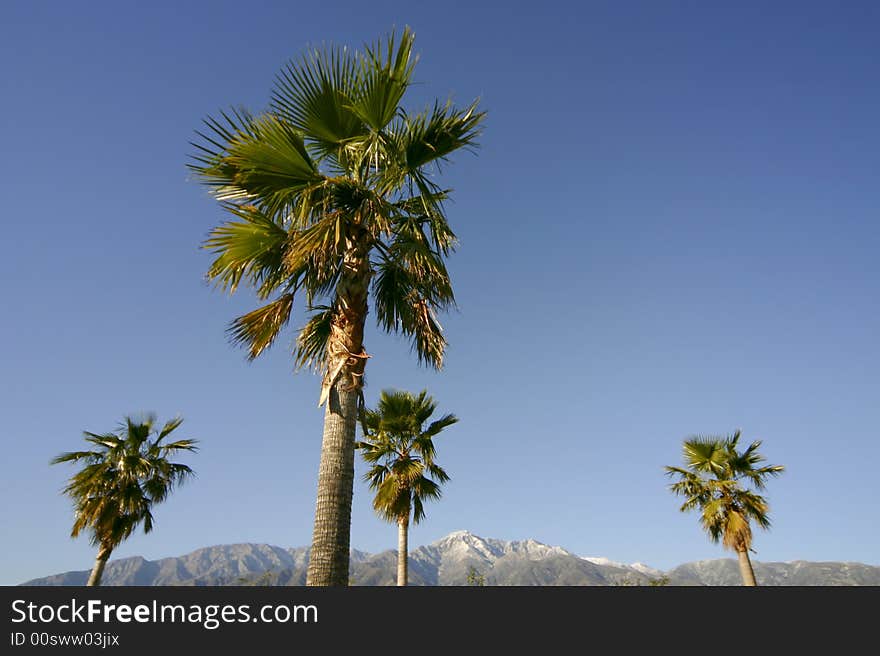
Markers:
point(716, 482)
point(124, 475)
point(401, 452)
point(331, 196)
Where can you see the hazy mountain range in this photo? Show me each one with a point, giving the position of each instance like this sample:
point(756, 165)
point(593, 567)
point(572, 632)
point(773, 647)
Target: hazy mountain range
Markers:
point(449, 561)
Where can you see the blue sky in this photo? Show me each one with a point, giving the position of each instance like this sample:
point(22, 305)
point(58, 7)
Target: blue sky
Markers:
point(670, 228)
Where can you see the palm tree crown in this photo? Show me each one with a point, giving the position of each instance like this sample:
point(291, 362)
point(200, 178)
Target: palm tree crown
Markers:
point(401, 452)
point(123, 476)
point(330, 189)
point(717, 480)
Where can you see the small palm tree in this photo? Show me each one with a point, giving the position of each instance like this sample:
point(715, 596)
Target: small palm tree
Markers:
point(333, 199)
point(401, 453)
point(475, 578)
point(716, 481)
point(123, 477)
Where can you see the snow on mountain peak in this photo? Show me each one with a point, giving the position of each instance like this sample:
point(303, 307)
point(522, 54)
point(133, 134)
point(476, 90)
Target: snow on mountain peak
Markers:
point(456, 535)
point(463, 543)
point(607, 562)
point(646, 569)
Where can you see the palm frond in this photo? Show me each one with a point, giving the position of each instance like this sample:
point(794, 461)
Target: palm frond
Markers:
point(315, 95)
point(170, 425)
point(706, 455)
point(107, 440)
point(73, 456)
point(257, 329)
point(376, 475)
point(318, 251)
point(425, 488)
point(438, 473)
point(754, 507)
point(264, 162)
point(434, 134)
point(444, 422)
point(311, 343)
point(758, 477)
point(391, 501)
point(737, 532)
point(383, 77)
point(427, 209)
point(406, 304)
point(418, 509)
point(253, 249)
point(128, 528)
point(180, 445)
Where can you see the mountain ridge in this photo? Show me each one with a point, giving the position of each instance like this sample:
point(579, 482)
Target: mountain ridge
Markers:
point(454, 559)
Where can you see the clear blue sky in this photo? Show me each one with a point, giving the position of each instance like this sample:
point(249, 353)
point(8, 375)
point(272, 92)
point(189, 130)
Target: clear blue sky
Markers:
point(671, 228)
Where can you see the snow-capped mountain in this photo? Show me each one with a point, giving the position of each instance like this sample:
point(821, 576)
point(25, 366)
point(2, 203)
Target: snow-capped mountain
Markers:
point(456, 559)
point(636, 567)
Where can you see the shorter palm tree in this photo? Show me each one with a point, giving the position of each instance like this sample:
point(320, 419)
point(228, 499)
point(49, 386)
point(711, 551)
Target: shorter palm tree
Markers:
point(403, 473)
point(124, 475)
point(716, 481)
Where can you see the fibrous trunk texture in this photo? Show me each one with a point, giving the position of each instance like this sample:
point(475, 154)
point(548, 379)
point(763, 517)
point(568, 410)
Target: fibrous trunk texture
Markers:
point(745, 568)
point(402, 550)
point(98, 569)
point(341, 390)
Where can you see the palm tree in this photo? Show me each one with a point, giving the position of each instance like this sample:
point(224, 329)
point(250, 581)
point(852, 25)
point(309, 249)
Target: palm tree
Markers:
point(401, 452)
point(124, 475)
point(716, 481)
point(331, 196)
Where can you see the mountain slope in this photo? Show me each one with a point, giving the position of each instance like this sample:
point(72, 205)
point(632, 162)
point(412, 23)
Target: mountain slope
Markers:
point(798, 572)
point(449, 561)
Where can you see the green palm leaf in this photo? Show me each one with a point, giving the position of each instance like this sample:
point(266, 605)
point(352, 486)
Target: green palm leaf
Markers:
point(314, 94)
point(264, 161)
point(311, 344)
point(253, 249)
point(383, 77)
point(434, 134)
point(257, 330)
point(407, 304)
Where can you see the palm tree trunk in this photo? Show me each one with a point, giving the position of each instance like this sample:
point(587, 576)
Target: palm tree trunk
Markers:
point(328, 561)
point(329, 558)
point(402, 550)
point(98, 569)
point(745, 568)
